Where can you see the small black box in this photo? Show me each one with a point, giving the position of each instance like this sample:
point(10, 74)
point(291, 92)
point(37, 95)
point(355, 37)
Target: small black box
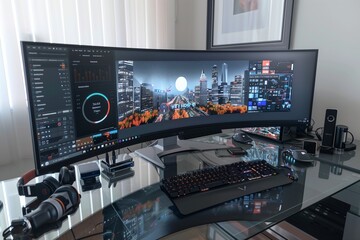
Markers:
point(89, 176)
point(113, 169)
point(311, 146)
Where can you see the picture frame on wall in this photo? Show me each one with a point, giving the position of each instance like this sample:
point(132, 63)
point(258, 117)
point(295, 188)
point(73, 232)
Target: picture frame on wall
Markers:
point(249, 24)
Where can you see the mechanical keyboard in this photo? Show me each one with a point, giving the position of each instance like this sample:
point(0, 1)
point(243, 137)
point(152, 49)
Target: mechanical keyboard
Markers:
point(203, 188)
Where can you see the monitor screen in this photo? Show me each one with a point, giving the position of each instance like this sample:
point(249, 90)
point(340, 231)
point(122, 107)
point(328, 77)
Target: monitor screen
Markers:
point(87, 100)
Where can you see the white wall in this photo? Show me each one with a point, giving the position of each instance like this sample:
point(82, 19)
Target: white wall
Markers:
point(332, 27)
point(328, 25)
point(190, 24)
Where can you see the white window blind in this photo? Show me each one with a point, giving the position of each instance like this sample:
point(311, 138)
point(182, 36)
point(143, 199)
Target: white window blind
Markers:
point(120, 23)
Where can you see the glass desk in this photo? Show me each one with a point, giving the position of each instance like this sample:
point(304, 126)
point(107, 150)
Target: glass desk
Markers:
point(136, 208)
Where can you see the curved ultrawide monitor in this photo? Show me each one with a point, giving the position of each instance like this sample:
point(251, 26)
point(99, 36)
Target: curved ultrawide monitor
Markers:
point(87, 100)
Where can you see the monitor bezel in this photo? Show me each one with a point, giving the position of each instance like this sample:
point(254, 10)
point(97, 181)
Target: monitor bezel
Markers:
point(160, 133)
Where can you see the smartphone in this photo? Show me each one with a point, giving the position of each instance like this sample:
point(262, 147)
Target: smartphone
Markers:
point(236, 151)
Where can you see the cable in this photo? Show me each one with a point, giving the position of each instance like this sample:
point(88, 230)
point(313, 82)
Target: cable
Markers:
point(72, 232)
point(352, 137)
point(318, 135)
point(311, 126)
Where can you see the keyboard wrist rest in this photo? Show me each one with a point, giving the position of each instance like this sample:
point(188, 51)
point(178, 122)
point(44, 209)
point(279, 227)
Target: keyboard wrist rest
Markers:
point(202, 200)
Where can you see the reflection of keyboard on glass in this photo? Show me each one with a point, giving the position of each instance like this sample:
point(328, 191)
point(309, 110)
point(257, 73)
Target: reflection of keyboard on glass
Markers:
point(200, 189)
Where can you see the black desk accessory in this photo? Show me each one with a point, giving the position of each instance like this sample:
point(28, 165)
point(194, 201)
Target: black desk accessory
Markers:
point(327, 149)
point(341, 136)
point(236, 151)
point(331, 150)
point(218, 184)
point(242, 137)
point(329, 128)
point(230, 152)
point(114, 178)
point(115, 168)
point(89, 176)
point(297, 155)
point(311, 146)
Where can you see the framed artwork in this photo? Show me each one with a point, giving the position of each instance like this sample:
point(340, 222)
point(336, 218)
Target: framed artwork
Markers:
point(249, 24)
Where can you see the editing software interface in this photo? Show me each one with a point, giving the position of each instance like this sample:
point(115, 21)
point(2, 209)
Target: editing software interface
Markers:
point(84, 99)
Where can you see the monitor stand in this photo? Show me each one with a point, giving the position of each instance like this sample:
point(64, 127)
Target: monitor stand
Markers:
point(151, 155)
point(172, 145)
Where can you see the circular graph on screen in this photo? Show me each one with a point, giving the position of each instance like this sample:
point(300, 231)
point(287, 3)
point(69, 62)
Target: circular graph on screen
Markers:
point(96, 108)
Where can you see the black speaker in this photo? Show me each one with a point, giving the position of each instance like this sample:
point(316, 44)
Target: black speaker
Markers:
point(329, 128)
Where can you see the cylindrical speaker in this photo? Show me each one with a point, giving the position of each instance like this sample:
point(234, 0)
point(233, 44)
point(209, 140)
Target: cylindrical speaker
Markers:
point(340, 136)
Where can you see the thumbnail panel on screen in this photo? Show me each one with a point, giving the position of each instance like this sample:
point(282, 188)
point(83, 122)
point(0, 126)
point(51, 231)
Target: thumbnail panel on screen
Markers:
point(155, 91)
